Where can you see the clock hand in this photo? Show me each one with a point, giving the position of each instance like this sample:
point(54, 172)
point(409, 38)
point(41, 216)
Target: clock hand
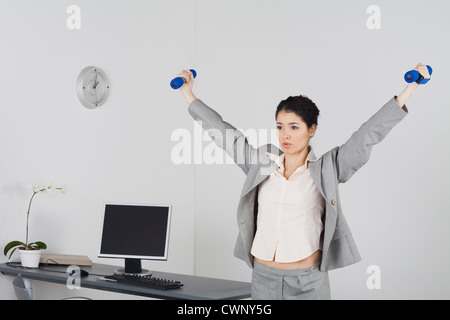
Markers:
point(96, 82)
point(96, 99)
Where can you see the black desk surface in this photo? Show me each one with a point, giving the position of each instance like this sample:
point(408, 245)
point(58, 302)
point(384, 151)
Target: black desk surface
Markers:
point(194, 288)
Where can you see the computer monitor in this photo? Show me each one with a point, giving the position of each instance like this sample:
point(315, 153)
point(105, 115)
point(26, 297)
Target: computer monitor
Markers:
point(134, 232)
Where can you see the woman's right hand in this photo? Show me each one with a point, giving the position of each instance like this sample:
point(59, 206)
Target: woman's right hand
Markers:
point(186, 88)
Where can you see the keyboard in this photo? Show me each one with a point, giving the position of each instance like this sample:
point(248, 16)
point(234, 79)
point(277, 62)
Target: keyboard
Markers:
point(145, 281)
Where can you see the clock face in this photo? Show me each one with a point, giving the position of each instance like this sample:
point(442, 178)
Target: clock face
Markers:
point(92, 87)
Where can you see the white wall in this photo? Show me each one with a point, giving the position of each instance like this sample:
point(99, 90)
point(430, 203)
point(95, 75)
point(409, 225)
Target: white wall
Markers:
point(249, 56)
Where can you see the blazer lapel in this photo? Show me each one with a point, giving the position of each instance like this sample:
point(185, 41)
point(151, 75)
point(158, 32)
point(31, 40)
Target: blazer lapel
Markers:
point(260, 171)
point(257, 175)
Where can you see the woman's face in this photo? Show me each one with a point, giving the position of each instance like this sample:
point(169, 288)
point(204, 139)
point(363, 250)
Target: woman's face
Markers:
point(293, 134)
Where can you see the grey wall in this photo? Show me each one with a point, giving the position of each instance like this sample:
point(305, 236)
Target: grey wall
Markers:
point(249, 55)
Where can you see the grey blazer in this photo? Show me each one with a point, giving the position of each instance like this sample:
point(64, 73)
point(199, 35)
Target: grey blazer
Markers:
point(335, 166)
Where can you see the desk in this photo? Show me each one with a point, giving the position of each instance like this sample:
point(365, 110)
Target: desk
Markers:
point(194, 288)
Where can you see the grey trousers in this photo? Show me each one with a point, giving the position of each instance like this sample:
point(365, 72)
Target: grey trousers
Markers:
point(300, 284)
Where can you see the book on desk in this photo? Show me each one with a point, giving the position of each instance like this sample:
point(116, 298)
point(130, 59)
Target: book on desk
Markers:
point(65, 259)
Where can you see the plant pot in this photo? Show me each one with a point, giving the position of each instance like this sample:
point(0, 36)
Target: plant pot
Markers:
point(30, 258)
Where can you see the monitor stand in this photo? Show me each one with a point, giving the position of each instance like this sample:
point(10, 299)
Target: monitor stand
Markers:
point(133, 267)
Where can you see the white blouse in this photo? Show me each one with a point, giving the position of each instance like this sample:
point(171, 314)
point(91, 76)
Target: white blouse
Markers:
point(289, 223)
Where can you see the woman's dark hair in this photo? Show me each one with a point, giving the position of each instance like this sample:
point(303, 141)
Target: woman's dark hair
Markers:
point(301, 106)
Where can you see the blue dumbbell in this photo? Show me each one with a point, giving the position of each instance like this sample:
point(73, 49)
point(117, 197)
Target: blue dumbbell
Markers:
point(178, 82)
point(415, 76)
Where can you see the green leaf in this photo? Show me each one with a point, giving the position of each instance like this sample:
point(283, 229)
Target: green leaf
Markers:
point(38, 244)
point(11, 245)
point(12, 252)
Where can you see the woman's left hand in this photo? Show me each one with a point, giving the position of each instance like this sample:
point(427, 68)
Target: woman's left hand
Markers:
point(423, 70)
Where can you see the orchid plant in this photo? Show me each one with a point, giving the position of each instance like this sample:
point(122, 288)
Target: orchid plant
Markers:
point(38, 244)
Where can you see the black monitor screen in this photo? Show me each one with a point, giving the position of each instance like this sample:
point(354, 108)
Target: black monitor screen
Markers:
point(140, 231)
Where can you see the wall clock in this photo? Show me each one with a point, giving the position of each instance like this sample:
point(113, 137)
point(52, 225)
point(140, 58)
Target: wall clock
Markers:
point(92, 87)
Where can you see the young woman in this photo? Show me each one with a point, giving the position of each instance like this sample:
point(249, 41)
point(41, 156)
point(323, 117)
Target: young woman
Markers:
point(291, 227)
